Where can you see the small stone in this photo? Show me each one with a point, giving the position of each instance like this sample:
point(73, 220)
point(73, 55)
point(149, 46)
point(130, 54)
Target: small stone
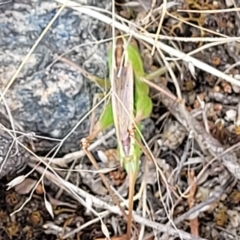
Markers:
point(231, 115)
point(229, 3)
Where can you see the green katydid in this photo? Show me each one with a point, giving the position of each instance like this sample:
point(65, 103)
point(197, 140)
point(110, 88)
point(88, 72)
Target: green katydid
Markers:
point(130, 103)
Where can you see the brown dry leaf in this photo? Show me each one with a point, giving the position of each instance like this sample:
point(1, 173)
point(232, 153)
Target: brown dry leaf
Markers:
point(118, 176)
point(35, 218)
point(39, 189)
point(221, 217)
point(220, 132)
point(189, 85)
point(216, 61)
point(26, 186)
point(217, 107)
point(12, 198)
point(226, 87)
point(112, 155)
point(12, 230)
point(235, 197)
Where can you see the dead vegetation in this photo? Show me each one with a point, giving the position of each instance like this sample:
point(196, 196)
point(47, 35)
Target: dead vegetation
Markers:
point(188, 182)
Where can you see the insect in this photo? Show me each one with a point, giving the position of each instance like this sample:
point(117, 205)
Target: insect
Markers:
point(128, 105)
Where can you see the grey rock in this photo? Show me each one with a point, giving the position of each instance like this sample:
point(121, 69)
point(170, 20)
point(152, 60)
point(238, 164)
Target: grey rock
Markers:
point(12, 155)
point(50, 100)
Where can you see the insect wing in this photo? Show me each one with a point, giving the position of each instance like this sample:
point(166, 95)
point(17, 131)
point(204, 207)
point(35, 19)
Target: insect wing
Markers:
point(123, 105)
